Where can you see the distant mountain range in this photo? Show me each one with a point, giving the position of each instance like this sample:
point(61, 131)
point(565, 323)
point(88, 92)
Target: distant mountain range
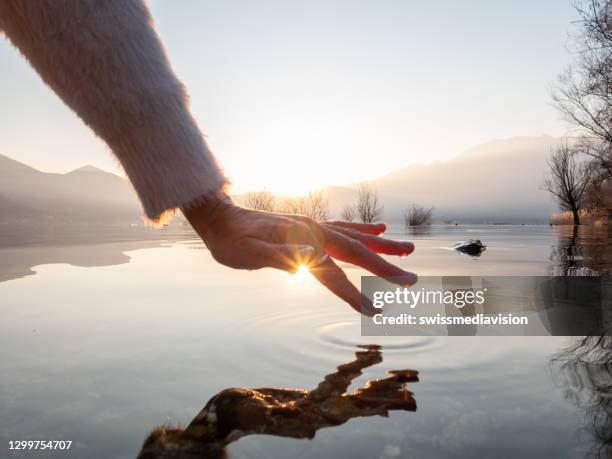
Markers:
point(498, 181)
point(85, 195)
point(495, 182)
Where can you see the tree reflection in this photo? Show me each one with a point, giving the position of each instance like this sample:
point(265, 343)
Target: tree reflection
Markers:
point(582, 251)
point(585, 374)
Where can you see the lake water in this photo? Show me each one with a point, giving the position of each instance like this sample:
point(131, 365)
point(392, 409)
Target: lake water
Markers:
point(100, 342)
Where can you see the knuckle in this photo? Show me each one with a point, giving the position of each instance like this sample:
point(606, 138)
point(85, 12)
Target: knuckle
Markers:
point(299, 231)
point(301, 225)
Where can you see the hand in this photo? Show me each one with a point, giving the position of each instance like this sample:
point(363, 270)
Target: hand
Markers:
point(249, 239)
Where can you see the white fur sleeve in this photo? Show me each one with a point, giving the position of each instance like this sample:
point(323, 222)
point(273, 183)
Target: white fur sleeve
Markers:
point(106, 62)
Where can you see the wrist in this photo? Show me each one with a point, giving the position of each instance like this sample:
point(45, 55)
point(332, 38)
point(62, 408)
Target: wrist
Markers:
point(206, 209)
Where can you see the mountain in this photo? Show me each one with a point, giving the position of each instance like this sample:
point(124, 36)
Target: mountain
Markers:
point(497, 181)
point(85, 195)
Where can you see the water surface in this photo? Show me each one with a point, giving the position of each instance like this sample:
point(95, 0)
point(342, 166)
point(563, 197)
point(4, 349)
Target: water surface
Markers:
point(100, 342)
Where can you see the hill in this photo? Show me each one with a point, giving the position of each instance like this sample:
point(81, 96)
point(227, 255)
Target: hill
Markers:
point(85, 195)
point(497, 181)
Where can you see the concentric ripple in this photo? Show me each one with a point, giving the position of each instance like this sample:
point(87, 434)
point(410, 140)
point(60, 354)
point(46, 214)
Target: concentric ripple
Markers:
point(310, 341)
point(347, 334)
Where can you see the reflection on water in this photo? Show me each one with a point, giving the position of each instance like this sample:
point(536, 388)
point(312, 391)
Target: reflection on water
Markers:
point(425, 230)
point(585, 373)
point(511, 250)
point(296, 413)
point(582, 251)
point(99, 355)
point(20, 254)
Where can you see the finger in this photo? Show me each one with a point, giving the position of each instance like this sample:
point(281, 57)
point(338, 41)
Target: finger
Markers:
point(352, 251)
point(367, 228)
point(331, 276)
point(251, 253)
point(376, 243)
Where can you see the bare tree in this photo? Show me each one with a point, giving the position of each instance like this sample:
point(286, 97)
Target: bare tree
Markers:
point(349, 213)
point(418, 216)
point(290, 205)
point(369, 207)
point(260, 200)
point(601, 154)
point(569, 178)
point(314, 205)
point(584, 93)
point(598, 195)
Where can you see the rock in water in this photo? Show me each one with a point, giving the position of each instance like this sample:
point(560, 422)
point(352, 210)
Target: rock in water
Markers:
point(473, 247)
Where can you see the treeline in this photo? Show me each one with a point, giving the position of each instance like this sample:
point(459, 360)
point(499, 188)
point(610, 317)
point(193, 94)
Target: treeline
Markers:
point(581, 167)
point(367, 208)
point(314, 204)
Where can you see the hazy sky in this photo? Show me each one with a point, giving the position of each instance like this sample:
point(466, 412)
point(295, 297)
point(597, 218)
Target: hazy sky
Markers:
point(293, 95)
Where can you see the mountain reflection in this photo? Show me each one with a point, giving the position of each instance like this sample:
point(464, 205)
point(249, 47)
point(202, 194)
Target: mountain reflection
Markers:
point(585, 374)
point(24, 248)
point(295, 413)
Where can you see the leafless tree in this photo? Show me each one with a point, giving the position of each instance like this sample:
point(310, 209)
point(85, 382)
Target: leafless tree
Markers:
point(349, 213)
point(418, 216)
point(584, 93)
point(569, 178)
point(290, 205)
point(260, 200)
point(598, 195)
point(601, 154)
point(314, 205)
point(369, 207)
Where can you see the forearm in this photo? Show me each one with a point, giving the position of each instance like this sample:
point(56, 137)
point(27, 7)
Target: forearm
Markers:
point(106, 62)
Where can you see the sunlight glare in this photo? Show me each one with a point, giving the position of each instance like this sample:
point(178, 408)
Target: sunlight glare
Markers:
point(302, 272)
point(301, 276)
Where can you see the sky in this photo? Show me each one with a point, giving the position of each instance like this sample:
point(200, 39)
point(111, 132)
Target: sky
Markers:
point(297, 95)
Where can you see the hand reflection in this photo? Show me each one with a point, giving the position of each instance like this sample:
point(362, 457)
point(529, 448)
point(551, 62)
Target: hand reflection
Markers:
point(295, 413)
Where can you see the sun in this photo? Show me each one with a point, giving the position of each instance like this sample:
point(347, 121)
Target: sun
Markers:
point(302, 272)
point(300, 276)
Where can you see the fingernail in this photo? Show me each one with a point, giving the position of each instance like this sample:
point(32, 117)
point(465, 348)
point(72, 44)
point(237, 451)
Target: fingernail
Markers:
point(367, 308)
point(409, 279)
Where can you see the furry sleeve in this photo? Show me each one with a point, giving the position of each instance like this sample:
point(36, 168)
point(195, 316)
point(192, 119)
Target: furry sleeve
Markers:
point(106, 62)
